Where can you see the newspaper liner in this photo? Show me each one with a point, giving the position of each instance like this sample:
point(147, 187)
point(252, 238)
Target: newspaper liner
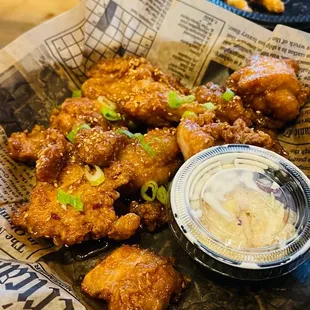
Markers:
point(191, 39)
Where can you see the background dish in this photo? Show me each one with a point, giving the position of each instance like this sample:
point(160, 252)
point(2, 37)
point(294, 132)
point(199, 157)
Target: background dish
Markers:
point(296, 15)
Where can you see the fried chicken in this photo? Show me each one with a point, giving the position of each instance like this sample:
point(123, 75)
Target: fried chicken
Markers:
point(25, 146)
point(99, 147)
point(275, 6)
point(240, 4)
point(77, 111)
point(45, 217)
point(195, 134)
point(153, 214)
point(161, 167)
point(270, 86)
point(46, 147)
point(134, 279)
point(139, 90)
point(226, 111)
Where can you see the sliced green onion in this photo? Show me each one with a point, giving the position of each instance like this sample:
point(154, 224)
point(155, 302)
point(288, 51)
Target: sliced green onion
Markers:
point(228, 95)
point(77, 93)
point(150, 186)
point(162, 195)
point(95, 179)
point(187, 114)
point(144, 144)
point(67, 199)
point(110, 114)
point(106, 102)
point(140, 138)
point(71, 135)
point(174, 101)
point(209, 106)
point(124, 132)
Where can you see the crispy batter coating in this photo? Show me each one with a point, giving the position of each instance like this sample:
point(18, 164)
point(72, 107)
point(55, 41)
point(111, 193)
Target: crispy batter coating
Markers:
point(134, 279)
point(153, 214)
point(99, 147)
point(140, 91)
point(77, 111)
point(270, 85)
point(196, 134)
point(26, 146)
point(45, 217)
point(160, 167)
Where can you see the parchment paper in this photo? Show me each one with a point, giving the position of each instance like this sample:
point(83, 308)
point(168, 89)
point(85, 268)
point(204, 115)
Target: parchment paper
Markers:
point(192, 39)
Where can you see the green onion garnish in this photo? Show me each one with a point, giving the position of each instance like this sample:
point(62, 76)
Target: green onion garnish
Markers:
point(187, 114)
point(97, 178)
point(71, 135)
point(106, 102)
point(140, 138)
point(67, 199)
point(149, 187)
point(174, 101)
point(77, 93)
point(162, 195)
point(228, 95)
point(209, 106)
point(144, 144)
point(110, 114)
point(125, 132)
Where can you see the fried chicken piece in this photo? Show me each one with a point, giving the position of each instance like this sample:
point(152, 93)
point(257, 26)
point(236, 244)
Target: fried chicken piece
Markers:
point(226, 111)
point(52, 157)
point(25, 146)
point(270, 85)
point(46, 147)
point(45, 217)
point(99, 147)
point(275, 6)
point(77, 111)
point(131, 278)
point(153, 214)
point(239, 4)
point(161, 167)
point(195, 134)
point(148, 102)
point(140, 93)
point(191, 137)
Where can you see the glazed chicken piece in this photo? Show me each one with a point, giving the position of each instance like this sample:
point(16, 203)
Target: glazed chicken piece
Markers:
point(195, 134)
point(46, 147)
point(270, 86)
point(226, 111)
point(44, 216)
point(77, 111)
point(139, 90)
point(161, 167)
point(25, 146)
point(131, 278)
point(153, 214)
point(99, 147)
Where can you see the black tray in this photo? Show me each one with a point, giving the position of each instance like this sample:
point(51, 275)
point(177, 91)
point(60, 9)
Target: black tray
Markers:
point(296, 15)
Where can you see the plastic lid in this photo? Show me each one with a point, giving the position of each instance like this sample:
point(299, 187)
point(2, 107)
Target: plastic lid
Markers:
point(243, 205)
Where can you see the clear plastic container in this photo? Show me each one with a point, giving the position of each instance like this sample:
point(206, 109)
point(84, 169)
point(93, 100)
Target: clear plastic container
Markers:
point(242, 211)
